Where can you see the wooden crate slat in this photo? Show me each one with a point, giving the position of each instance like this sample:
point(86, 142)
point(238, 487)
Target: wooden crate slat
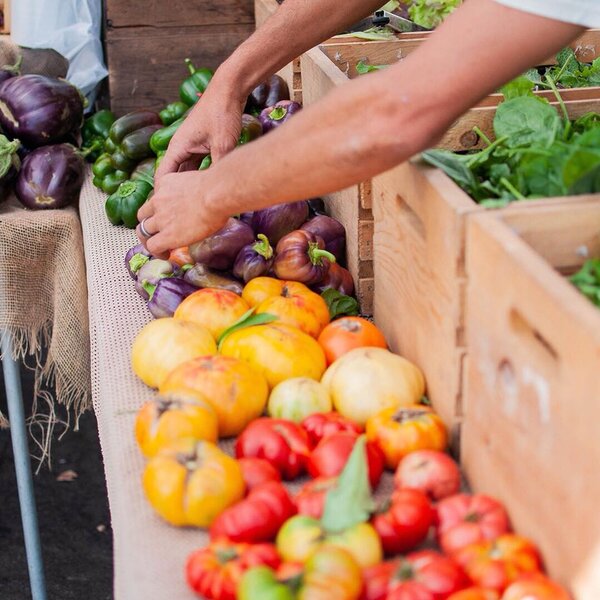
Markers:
point(530, 431)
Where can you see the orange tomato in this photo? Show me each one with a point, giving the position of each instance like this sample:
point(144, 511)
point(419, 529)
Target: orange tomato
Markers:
point(535, 586)
point(401, 431)
point(278, 351)
point(236, 391)
point(169, 418)
point(192, 482)
point(475, 593)
point(348, 333)
point(212, 308)
point(496, 564)
point(181, 256)
point(292, 302)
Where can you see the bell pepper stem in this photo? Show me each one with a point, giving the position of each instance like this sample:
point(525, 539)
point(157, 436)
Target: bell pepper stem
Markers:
point(263, 247)
point(190, 65)
point(317, 254)
point(278, 113)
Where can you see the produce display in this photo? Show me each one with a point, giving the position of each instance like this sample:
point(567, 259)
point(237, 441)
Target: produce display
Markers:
point(587, 280)
point(323, 403)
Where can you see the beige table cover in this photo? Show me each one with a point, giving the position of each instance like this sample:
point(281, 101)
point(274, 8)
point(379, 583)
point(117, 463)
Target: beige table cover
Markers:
point(43, 302)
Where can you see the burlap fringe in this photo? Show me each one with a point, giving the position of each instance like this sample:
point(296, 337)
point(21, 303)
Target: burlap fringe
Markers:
point(28, 345)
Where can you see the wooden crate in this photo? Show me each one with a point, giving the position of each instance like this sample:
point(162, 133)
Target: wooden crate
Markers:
point(146, 45)
point(530, 435)
point(5, 8)
point(420, 276)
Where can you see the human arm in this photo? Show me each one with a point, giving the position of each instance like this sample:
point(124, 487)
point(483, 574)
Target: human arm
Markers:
point(297, 25)
point(362, 128)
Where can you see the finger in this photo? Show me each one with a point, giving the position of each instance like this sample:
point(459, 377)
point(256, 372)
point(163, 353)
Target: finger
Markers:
point(171, 162)
point(146, 210)
point(192, 164)
point(147, 228)
point(158, 245)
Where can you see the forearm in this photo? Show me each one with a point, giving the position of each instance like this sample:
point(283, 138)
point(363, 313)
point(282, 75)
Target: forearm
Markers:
point(378, 121)
point(296, 26)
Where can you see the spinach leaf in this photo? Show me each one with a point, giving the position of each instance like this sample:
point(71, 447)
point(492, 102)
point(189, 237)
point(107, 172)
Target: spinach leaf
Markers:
point(454, 165)
point(521, 86)
point(582, 156)
point(339, 304)
point(587, 280)
point(587, 184)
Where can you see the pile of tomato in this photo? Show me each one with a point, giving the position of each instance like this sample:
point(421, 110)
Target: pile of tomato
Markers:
point(327, 404)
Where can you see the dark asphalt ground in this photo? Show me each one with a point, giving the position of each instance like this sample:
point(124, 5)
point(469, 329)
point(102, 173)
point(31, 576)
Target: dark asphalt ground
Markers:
point(73, 515)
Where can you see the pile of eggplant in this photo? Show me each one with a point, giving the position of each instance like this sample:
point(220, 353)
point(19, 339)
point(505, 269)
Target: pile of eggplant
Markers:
point(293, 242)
point(40, 118)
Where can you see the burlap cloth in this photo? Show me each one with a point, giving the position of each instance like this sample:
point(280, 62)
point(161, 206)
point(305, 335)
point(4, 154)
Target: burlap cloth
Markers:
point(149, 555)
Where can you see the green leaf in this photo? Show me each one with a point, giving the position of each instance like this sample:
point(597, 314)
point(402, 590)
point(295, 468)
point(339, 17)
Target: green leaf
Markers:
point(339, 304)
point(587, 184)
point(431, 13)
point(362, 68)
point(373, 34)
point(587, 280)
point(350, 502)
point(521, 86)
point(248, 319)
point(391, 6)
point(454, 165)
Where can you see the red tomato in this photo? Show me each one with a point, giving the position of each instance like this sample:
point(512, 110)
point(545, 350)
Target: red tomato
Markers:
point(257, 471)
point(425, 575)
point(310, 500)
point(535, 586)
point(496, 564)
point(343, 335)
point(430, 471)
point(215, 571)
point(329, 457)
point(257, 518)
point(475, 593)
point(322, 425)
point(282, 443)
point(406, 523)
point(464, 519)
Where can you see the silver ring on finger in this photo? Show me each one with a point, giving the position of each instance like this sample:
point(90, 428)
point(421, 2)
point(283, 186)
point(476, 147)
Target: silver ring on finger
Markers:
point(143, 229)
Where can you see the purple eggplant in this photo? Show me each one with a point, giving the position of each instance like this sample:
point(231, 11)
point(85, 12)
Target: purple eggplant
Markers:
point(280, 219)
point(151, 273)
point(268, 93)
point(246, 217)
point(10, 163)
point(203, 277)
point(332, 232)
point(219, 250)
point(51, 177)
point(168, 294)
point(254, 260)
point(276, 115)
point(135, 259)
point(39, 110)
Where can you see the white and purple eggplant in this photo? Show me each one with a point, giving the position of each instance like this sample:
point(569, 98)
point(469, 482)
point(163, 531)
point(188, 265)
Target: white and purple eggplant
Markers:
point(135, 259)
point(276, 115)
point(220, 250)
point(280, 219)
point(167, 295)
point(254, 260)
point(39, 110)
point(331, 231)
point(50, 177)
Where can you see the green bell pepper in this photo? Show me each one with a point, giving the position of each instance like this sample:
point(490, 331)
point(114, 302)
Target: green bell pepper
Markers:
point(159, 142)
point(94, 133)
point(106, 177)
point(195, 84)
point(144, 171)
point(159, 157)
point(171, 112)
point(122, 206)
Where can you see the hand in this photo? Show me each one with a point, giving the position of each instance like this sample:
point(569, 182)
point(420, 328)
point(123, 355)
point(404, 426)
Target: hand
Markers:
point(179, 213)
point(213, 126)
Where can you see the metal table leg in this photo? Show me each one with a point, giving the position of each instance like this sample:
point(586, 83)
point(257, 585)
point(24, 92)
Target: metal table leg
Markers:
point(18, 433)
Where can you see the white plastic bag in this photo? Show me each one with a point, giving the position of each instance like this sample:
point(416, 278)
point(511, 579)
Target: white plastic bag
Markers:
point(71, 27)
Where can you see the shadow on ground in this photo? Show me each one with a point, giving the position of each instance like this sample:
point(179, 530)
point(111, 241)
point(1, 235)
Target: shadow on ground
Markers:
point(73, 515)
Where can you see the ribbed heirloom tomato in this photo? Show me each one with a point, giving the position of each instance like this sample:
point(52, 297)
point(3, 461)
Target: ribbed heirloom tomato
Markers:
point(401, 431)
point(257, 471)
point(464, 519)
point(292, 302)
point(322, 425)
point(192, 482)
point(170, 418)
point(215, 572)
point(496, 564)
point(310, 499)
point(236, 391)
point(348, 333)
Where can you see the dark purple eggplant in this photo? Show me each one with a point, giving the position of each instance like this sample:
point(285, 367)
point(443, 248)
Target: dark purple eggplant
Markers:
point(219, 250)
point(151, 273)
point(279, 220)
point(277, 114)
point(135, 259)
point(254, 260)
point(267, 94)
point(10, 163)
point(168, 294)
point(338, 278)
point(332, 232)
point(39, 110)
point(203, 277)
point(50, 177)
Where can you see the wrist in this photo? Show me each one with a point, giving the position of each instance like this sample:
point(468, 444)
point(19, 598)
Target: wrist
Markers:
point(235, 78)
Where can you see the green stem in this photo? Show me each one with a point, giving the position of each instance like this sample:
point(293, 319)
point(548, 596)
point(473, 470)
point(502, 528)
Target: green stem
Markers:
point(562, 69)
point(482, 135)
point(263, 247)
point(190, 66)
point(561, 103)
point(512, 189)
point(317, 254)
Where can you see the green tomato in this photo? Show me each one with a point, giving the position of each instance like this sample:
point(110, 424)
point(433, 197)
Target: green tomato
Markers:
point(261, 582)
point(297, 398)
